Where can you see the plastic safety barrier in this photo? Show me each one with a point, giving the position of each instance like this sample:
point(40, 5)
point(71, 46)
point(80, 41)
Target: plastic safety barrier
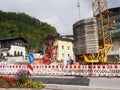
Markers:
point(69, 70)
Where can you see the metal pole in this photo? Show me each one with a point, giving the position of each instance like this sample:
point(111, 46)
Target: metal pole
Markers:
point(78, 5)
point(92, 67)
point(79, 12)
point(119, 55)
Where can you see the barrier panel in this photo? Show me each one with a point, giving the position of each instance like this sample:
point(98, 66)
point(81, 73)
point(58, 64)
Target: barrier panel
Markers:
point(47, 70)
point(69, 70)
point(11, 69)
point(114, 70)
point(100, 70)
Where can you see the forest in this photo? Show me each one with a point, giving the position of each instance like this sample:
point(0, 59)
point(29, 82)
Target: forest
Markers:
point(14, 24)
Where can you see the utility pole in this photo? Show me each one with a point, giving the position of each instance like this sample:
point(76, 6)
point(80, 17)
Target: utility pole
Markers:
point(78, 5)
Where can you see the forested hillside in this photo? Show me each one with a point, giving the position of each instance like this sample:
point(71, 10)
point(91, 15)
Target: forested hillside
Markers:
point(19, 24)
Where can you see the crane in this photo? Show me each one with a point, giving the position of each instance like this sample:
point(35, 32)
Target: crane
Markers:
point(100, 11)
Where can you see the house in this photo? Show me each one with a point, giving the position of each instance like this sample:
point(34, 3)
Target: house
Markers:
point(14, 46)
point(59, 48)
point(65, 48)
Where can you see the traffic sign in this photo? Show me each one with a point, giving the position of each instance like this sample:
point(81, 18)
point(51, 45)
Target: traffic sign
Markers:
point(31, 57)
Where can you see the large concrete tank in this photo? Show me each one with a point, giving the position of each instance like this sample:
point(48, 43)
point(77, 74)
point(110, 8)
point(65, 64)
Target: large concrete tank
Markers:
point(85, 36)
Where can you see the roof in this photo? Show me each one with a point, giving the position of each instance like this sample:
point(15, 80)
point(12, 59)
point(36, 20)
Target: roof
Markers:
point(14, 38)
point(115, 9)
point(64, 39)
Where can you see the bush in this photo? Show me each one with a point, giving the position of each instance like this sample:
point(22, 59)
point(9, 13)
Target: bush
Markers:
point(21, 76)
point(7, 82)
point(24, 81)
point(20, 80)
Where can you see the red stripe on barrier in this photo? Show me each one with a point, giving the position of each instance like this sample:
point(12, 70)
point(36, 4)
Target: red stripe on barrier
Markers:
point(94, 67)
point(34, 66)
point(45, 66)
point(89, 67)
point(98, 67)
point(109, 67)
point(53, 66)
point(79, 66)
point(19, 66)
point(116, 66)
point(30, 67)
point(103, 67)
point(75, 67)
point(57, 66)
point(104, 74)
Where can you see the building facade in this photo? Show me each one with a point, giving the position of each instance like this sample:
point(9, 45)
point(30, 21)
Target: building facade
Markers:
point(13, 47)
point(114, 54)
point(57, 48)
point(65, 48)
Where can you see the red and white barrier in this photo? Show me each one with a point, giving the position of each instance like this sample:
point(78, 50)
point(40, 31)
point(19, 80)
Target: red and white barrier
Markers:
point(69, 70)
point(30, 69)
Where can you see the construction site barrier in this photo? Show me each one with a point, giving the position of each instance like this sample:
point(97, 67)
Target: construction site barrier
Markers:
point(59, 70)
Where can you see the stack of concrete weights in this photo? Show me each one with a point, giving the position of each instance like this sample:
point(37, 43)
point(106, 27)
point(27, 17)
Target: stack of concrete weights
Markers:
point(85, 36)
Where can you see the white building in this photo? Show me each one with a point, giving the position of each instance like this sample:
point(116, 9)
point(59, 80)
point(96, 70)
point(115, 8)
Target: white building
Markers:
point(13, 47)
point(65, 48)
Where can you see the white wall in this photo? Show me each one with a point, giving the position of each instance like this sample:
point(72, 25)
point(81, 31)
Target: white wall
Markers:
point(17, 49)
point(15, 59)
point(64, 51)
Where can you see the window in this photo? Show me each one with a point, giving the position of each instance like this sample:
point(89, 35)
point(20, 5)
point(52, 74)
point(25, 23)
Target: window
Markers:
point(68, 48)
point(20, 44)
point(68, 55)
point(62, 47)
point(7, 54)
point(18, 53)
point(14, 53)
point(0, 45)
point(62, 54)
point(15, 43)
point(21, 53)
point(1, 54)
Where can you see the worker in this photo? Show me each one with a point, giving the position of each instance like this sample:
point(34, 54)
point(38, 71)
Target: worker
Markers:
point(71, 61)
point(65, 59)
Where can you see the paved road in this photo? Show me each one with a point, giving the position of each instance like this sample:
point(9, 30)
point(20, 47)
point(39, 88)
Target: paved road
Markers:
point(75, 87)
point(105, 82)
point(63, 80)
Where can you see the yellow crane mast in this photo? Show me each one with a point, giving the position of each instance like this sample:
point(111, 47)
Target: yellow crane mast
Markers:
point(100, 10)
point(102, 20)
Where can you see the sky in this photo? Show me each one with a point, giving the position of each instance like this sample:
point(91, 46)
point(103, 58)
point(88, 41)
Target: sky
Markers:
point(61, 14)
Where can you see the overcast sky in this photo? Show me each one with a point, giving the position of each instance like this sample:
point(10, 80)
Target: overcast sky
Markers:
point(61, 14)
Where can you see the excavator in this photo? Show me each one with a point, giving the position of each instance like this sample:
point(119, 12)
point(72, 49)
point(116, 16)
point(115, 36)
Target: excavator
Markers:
point(50, 49)
point(101, 12)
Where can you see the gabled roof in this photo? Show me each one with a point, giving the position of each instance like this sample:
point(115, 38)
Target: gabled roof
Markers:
point(14, 38)
point(53, 38)
point(65, 39)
